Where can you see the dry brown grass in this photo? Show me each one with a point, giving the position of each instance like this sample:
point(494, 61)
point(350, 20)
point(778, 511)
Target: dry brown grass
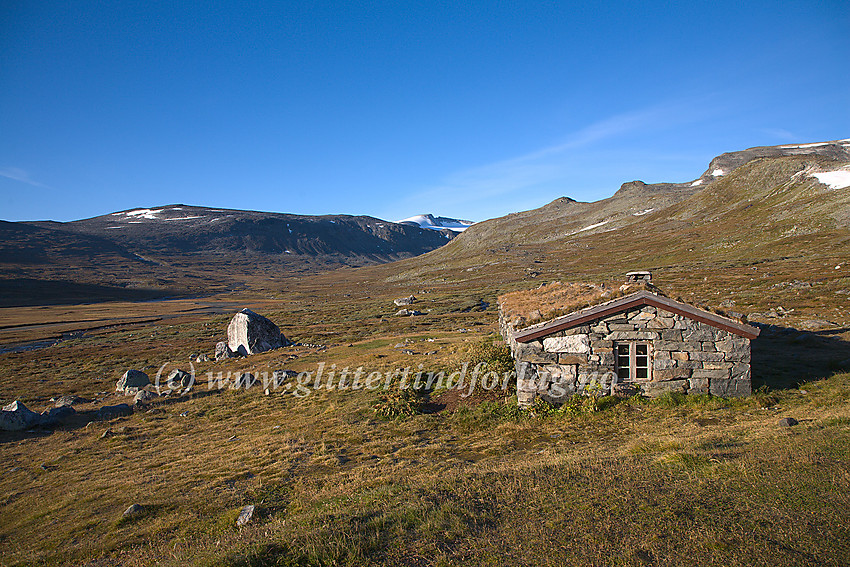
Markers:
point(700, 481)
point(529, 306)
point(540, 302)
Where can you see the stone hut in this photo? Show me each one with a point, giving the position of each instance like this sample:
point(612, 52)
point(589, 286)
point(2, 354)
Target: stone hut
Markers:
point(637, 342)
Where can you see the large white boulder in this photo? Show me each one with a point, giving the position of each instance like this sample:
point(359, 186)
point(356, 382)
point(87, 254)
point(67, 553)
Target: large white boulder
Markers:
point(250, 333)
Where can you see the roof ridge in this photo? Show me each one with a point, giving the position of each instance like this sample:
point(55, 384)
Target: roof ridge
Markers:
point(639, 298)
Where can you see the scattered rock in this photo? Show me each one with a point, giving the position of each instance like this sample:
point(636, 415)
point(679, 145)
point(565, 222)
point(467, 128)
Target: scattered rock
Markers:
point(242, 380)
point(245, 515)
point(222, 351)
point(63, 401)
point(407, 313)
point(280, 377)
point(133, 510)
point(796, 284)
point(58, 415)
point(107, 433)
point(17, 417)
point(202, 358)
point(111, 412)
point(143, 397)
point(180, 380)
point(250, 333)
point(407, 351)
point(817, 324)
point(132, 379)
point(409, 300)
point(788, 422)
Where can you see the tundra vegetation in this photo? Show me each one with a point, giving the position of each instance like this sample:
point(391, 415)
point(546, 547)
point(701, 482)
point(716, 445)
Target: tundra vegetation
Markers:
point(446, 480)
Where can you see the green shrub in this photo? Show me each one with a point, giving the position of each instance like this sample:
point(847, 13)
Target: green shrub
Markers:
point(496, 357)
point(403, 402)
point(575, 405)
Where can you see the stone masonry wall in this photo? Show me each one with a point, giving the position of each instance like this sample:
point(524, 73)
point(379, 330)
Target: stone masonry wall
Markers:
point(686, 356)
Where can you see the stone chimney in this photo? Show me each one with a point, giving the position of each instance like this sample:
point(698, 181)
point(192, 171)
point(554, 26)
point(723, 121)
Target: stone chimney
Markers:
point(639, 277)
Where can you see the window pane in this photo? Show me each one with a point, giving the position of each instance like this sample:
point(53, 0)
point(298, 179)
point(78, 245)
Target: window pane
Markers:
point(642, 373)
point(642, 350)
point(642, 361)
point(623, 350)
point(623, 373)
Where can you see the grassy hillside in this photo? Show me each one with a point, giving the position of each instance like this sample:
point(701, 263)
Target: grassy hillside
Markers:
point(703, 481)
point(467, 480)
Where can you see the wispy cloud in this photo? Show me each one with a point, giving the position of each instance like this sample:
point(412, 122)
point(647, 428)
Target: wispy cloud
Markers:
point(780, 134)
point(551, 163)
point(17, 174)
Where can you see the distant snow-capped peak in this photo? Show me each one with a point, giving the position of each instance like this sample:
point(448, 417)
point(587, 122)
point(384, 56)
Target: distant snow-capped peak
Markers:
point(431, 222)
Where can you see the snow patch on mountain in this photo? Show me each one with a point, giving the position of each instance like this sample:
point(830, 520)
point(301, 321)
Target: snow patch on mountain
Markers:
point(431, 222)
point(718, 172)
point(135, 216)
point(591, 227)
point(145, 213)
point(845, 142)
point(833, 179)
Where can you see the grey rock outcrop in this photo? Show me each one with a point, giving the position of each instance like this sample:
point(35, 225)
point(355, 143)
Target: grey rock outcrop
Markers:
point(17, 417)
point(402, 301)
point(133, 510)
point(67, 401)
point(223, 352)
point(180, 380)
point(58, 416)
point(132, 379)
point(788, 422)
point(243, 380)
point(250, 333)
point(245, 515)
point(143, 397)
point(408, 313)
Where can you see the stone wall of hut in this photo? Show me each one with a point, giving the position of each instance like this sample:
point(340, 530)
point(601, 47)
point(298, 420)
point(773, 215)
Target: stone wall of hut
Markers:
point(686, 356)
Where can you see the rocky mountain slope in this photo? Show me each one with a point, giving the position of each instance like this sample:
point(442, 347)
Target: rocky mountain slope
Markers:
point(763, 181)
point(180, 249)
point(185, 229)
point(762, 230)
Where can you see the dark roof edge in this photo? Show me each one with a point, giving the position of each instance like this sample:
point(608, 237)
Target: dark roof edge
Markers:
point(638, 299)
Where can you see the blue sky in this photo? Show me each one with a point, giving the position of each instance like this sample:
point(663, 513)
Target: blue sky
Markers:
point(471, 110)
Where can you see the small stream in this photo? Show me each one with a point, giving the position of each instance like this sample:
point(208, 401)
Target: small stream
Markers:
point(36, 345)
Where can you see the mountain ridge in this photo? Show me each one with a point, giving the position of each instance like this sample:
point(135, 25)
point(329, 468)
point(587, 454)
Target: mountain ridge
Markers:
point(773, 204)
point(184, 249)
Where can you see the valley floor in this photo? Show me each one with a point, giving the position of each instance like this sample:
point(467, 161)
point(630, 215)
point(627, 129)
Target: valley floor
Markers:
point(699, 481)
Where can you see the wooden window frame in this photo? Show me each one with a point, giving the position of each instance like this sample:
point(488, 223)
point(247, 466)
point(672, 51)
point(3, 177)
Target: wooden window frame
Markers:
point(634, 358)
